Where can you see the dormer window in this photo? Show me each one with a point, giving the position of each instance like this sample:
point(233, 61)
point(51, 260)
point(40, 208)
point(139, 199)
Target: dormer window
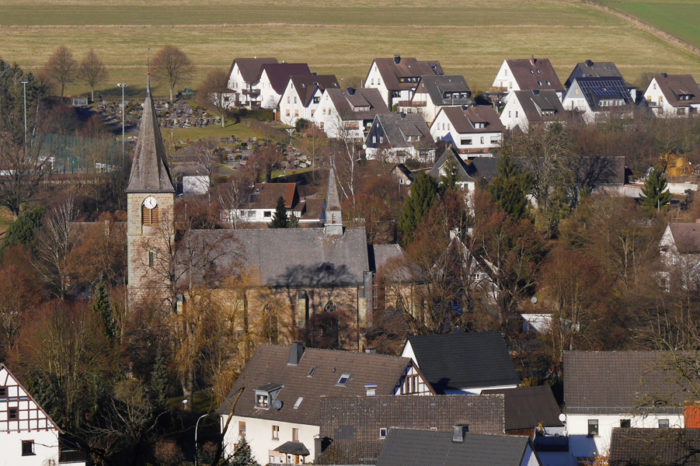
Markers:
point(266, 396)
point(262, 400)
point(343, 380)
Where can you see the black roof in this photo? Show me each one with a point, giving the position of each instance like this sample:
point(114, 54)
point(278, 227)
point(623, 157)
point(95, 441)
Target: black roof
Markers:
point(459, 360)
point(630, 447)
point(527, 407)
point(596, 90)
point(406, 447)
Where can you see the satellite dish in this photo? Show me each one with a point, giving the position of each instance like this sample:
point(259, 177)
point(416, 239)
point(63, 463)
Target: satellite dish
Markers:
point(277, 404)
point(562, 418)
point(533, 300)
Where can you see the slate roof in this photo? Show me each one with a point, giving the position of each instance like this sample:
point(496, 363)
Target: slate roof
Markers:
point(591, 172)
point(541, 106)
point(357, 104)
point(251, 68)
point(686, 236)
point(535, 73)
point(269, 365)
point(286, 257)
point(293, 448)
point(399, 126)
point(526, 407)
point(438, 85)
point(382, 253)
point(620, 381)
point(675, 85)
point(354, 424)
point(596, 90)
point(464, 360)
point(407, 67)
point(306, 85)
point(632, 447)
point(464, 120)
point(265, 196)
point(463, 175)
point(591, 69)
point(149, 169)
point(279, 73)
point(405, 447)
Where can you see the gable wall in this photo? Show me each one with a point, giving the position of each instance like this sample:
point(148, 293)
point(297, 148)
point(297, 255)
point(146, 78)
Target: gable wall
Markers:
point(513, 115)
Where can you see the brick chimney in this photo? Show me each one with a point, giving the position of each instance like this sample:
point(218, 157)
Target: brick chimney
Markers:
point(691, 416)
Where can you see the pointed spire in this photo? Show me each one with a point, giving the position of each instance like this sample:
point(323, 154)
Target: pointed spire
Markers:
point(333, 224)
point(149, 170)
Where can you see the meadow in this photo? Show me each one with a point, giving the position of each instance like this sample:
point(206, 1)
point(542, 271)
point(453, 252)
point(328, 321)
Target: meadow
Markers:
point(469, 37)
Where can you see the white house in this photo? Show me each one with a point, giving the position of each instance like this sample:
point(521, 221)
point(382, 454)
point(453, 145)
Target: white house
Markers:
point(680, 253)
point(281, 387)
point(596, 98)
point(528, 74)
point(273, 81)
point(474, 132)
point(608, 389)
point(435, 92)
point(598, 69)
point(671, 96)
point(533, 108)
point(348, 113)
point(396, 78)
point(398, 136)
point(28, 436)
point(242, 79)
point(302, 96)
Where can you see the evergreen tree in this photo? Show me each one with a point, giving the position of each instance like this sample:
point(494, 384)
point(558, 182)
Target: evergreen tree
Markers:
point(22, 229)
point(279, 218)
point(242, 456)
point(448, 180)
point(103, 307)
point(423, 192)
point(159, 382)
point(510, 187)
point(655, 194)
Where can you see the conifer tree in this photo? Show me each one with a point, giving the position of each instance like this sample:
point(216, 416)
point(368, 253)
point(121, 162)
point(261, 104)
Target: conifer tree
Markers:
point(448, 180)
point(103, 307)
point(655, 195)
point(423, 192)
point(159, 382)
point(509, 188)
point(280, 219)
point(242, 456)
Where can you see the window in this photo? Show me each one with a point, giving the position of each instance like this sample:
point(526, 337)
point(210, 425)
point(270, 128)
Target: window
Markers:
point(262, 401)
point(3, 392)
point(151, 258)
point(343, 380)
point(241, 428)
point(663, 424)
point(482, 139)
point(275, 432)
point(516, 114)
point(317, 100)
point(149, 216)
point(466, 142)
point(382, 432)
point(268, 213)
point(625, 423)
point(508, 113)
point(295, 434)
point(28, 448)
point(592, 427)
point(313, 368)
point(13, 414)
point(298, 402)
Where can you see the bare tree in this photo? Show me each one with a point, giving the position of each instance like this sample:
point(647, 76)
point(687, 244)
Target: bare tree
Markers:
point(61, 67)
point(22, 171)
point(54, 243)
point(172, 65)
point(92, 71)
point(211, 92)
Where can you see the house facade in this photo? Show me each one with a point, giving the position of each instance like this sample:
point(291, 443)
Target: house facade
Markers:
point(528, 74)
point(273, 81)
point(533, 109)
point(396, 137)
point(435, 92)
point(244, 75)
point(348, 113)
point(397, 78)
point(597, 98)
point(474, 132)
point(302, 96)
point(673, 96)
point(679, 250)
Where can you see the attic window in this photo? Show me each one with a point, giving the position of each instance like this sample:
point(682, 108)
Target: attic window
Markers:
point(298, 402)
point(12, 414)
point(262, 401)
point(311, 371)
point(382, 432)
point(3, 392)
point(28, 448)
point(343, 380)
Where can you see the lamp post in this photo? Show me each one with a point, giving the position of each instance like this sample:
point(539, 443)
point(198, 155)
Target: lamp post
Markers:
point(24, 86)
point(122, 85)
point(196, 426)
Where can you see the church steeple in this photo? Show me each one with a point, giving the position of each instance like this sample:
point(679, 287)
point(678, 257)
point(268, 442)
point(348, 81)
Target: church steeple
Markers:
point(333, 225)
point(149, 170)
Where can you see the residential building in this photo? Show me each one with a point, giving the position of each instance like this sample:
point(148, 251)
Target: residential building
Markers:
point(673, 95)
point(529, 74)
point(396, 137)
point(244, 75)
point(463, 363)
point(348, 113)
point(273, 81)
point(435, 92)
point(474, 132)
point(598, 98)
point(598, 69)
point(608, 389)
point(302, 96)
point(632, 447)
point(396, 78)
point(529, 109)
point(28, 436)
point(283, 387)
point(259, 206)
point(407, 447)
point(680, 253)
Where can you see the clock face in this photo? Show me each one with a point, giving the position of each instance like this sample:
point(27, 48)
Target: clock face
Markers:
point(150, 202)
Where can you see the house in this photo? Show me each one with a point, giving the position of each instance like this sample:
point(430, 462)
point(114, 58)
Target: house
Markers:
point(260, 205)
point(435, 92)
point(598, 69)
point(530, 74)
point(302, 95)
point(399, 136)
point(533, 109)
point(243, 76)
point(680, 251)
point(474, 132)
point(450, 160)
point(28, 436)
point(463, 363)
point(631, 447)
point(402, 174)
point(283, 387)
point(273, 81)
point(673, 95)
point(354, 429)
point(608, 389)
point(348, 113)
point(397, 78)
point(408, 447)
point(597, 98)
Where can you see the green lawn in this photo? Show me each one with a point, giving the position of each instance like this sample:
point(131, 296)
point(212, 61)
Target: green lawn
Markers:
point(240, 130)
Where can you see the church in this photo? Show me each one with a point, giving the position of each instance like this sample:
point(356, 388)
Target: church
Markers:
point(310, 284)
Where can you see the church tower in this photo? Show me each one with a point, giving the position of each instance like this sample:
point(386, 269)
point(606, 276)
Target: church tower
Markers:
point(150, 199)
point(333, 224)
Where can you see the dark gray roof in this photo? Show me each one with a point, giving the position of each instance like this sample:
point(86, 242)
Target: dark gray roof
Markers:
point(678, 89)
point(442, 89)
point(293, 448)
point(149, 169)
point(287, 257)
point(597, 90)
point(541, 106)
point(353, 424)
point(332, 197)
point(686, 237)
point(465, 121)
point(589, 171)
point(357, 104)
point(526, 407)
point(620, 381)
point(535, 73)
point(404, 447)
point(633, 447)
point(591, 69)
point(395, 70)
point(251, 68)
point(306, 85)
point(279, 73)
point(269, 364)
point(464, 360)
point(382, 253)
point(448, 154)
point(398, 127)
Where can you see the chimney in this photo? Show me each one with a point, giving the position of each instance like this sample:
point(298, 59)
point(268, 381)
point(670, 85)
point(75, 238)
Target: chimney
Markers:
point(691, 416)
point(296, 351)
point(589, 62)
point(458, 432)
point(397, 59)
point(532, 60)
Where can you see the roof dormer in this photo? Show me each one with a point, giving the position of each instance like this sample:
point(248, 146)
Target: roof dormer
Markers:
point(266, 396)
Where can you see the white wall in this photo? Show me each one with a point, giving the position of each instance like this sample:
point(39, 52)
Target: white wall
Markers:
point(195, 184)
point(374, 80)
point(237, 83)
point(45, 448)
point(504, 78)
point(326, 118)
point(481, 143)
point(513, 115)
point(269, 98)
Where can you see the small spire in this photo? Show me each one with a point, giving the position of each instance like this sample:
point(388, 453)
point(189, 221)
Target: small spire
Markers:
point(148, 71)
point(333, 225)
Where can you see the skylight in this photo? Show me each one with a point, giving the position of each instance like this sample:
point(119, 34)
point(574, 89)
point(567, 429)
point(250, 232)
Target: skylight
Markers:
point(298, 402)
point(343, 380)
point(311, 371)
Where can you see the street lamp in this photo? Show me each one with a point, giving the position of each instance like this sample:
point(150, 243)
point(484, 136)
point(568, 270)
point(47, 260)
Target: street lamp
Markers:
point(122, 85)
point(24, 86)
point(196, 448)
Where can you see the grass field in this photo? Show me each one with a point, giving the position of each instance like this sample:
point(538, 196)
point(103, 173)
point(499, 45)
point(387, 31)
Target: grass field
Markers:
point(469, 37)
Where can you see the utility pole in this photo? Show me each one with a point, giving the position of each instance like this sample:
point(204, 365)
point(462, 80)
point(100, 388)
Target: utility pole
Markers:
point(24, 85)
point(123, 85)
